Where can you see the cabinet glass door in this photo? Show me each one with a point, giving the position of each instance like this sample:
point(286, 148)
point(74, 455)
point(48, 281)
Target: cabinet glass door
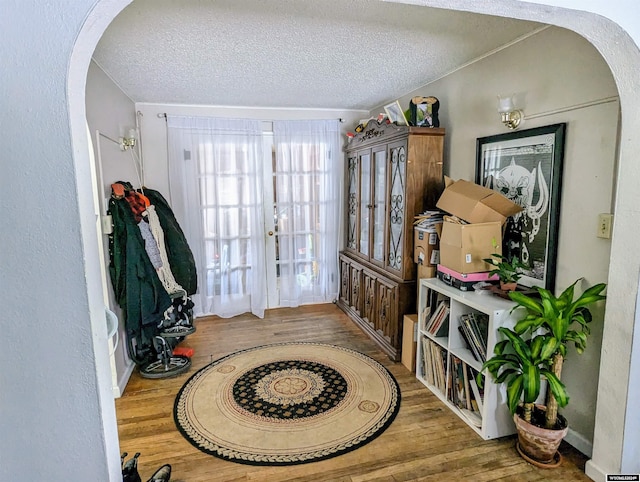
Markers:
point(352, 201)
point(398, 174)
point(379, 201)
point(365, 202)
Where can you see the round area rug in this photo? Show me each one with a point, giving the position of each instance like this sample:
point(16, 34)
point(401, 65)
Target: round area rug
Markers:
point(285, 404)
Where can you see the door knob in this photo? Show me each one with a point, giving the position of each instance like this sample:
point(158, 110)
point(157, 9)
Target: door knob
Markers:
point(270, 233)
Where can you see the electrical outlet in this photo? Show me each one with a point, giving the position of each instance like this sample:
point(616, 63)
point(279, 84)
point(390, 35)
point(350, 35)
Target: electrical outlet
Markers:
point(605, 221)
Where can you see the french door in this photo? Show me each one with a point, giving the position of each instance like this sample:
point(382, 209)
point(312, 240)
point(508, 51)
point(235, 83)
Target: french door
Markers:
point(272, 271)
point(259, 209)
point(295, 229)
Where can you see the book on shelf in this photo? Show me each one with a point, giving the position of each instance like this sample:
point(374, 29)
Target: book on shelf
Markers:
point(460, 393)
point(463, 391)
point(451, 389)
point(474, 330)
point(440, 366)
point(437, 374)
point(474, 417)
point(438, 323)
point(453, 381)
point(421, 370)
point(431, 362)
point(443, 364)
point(442, 328)
point(423, 316)
point(478, 394)
point(466, 337)
point(474, 406)
point(427, 363)
point(434, 316)
point(481, 325)
point(467, 385)
point(434, 364)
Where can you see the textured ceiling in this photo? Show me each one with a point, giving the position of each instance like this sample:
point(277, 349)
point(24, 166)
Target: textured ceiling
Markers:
point(345, 54)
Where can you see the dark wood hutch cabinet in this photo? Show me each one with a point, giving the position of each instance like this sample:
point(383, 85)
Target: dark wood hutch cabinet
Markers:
point(393, 173)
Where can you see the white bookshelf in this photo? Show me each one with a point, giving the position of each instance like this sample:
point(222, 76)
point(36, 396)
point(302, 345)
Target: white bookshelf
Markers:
point(496, 419)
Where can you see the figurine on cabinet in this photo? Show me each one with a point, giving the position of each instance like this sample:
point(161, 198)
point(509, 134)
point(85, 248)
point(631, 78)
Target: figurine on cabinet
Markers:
point(424, 111)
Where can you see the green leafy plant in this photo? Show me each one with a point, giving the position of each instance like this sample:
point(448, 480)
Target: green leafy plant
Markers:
point(537, 346)
point(509, 271)
point(520, 363)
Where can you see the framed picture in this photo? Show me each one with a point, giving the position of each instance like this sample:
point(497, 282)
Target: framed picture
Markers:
point(526, 167)
point(424, 111)
point(395, 113)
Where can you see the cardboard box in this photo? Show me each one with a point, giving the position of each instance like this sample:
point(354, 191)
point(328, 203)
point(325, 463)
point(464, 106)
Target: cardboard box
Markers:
point(475, 203)
point(464, 246)
point(426, 247)
point(409, 341)
point(426, 271)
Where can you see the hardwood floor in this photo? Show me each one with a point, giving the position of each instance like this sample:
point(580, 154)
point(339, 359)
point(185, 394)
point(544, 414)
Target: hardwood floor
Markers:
point(425, 442)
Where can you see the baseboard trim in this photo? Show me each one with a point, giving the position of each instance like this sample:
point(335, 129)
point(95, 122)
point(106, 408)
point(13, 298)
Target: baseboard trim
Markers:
point(594, 472)
point(579, 442)
point(118, 389)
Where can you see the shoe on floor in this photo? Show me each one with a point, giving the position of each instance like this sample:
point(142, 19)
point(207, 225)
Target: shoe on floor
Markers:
point(163, 474)
point(177, 331)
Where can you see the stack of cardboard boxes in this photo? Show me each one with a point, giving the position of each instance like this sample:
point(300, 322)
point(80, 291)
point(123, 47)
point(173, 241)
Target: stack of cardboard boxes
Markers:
point(473, 233)
point(455, 252)
point(426, 244)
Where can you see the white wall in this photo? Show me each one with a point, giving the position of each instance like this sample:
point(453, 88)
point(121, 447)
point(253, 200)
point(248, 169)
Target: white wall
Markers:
point(112, 113)
point(57, 414)
point(552, 70)
point(56, 396)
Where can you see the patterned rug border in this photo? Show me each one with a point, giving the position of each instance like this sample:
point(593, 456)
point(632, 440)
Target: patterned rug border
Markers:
point(272, 463)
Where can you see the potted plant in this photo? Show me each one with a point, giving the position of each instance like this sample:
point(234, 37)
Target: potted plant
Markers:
point(535, 349)
point(509, 271)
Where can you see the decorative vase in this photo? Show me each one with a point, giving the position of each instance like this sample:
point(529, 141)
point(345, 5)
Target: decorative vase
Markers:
point(537, 444)
point(508, 286)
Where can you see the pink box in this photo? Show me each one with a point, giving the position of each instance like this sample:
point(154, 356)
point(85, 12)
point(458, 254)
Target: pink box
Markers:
point(463, 282)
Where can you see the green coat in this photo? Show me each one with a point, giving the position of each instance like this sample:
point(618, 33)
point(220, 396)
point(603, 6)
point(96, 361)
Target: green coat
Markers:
point(137, 287)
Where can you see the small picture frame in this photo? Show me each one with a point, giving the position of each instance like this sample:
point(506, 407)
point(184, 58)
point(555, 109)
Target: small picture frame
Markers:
point(395, 114)
point(424, 111)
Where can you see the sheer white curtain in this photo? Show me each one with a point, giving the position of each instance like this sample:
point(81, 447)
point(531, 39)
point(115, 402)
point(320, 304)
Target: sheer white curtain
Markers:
point(308, 171)
point(215, 178)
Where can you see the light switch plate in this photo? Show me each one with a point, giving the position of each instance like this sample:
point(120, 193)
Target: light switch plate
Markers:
point(605, 221)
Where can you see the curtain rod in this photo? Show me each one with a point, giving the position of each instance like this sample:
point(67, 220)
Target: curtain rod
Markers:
point(164, 115)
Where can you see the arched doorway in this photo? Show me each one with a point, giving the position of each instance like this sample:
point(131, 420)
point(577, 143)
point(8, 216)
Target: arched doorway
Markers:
point(611, 42)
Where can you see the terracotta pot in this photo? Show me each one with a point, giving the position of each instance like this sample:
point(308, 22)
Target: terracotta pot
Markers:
point(540, 444)
point(508, 286)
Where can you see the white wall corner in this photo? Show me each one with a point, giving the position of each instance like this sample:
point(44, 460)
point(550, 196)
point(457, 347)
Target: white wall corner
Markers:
point(118, 389)
point(579, 442)
point(594, 472)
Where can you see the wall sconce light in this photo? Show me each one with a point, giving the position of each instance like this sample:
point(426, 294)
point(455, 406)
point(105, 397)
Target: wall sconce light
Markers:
point(509, 115)
point(129, 141)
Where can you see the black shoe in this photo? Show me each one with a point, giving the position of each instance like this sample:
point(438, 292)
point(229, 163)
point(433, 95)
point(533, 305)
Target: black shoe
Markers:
point(163, 474)
point(130, 469)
